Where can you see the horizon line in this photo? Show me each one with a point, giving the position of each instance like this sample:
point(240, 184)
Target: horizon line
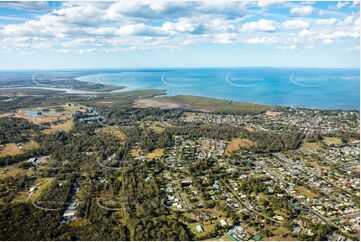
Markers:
point(180, 67)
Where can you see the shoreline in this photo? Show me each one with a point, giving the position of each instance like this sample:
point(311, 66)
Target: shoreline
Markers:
point(157, 101)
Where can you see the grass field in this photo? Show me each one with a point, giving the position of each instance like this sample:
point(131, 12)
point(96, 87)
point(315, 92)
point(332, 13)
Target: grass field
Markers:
point(135, 153)
point(332, 140)
point(157, 127)
point(78, 223)
point(304, 191)
point(11, 149)
point(238, 143)
point(316, 165)
point(157, 153)
point(11, 171)
point(19, 197)
point(115, 132)
point(66, 126)
point(208, 228)
point(219, 105)
point(311, 145)
point(42, 184)
point(280, 234)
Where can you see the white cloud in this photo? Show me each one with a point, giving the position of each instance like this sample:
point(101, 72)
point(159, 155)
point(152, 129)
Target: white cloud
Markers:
point(349, 20)
point(268, 3)
point(287, 47)
point(125, 26)
point(356, 4)
point(302, 11)
point(340, 4)
point(296, 24)
point(139, 29)
point(326, 22)
point(148, 9)
point(225, 38)
point(262, 25)
point(261, 40)
point(328, 37)
point(184, 25)
point(25, 5)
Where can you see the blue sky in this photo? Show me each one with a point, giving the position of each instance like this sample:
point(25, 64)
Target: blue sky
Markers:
point(138, 34)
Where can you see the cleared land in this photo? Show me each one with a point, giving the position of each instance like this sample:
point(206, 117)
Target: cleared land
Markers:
point(135, 153)
point(157, 153)
point(238, 143)
point(65, 126)
point(311, 145)
point(12, 149)
point(200, 104)
point(280, 234)
point(115, 132)
point(42, 184)
point(332, 140)
point(304, 191)
point(11, 171)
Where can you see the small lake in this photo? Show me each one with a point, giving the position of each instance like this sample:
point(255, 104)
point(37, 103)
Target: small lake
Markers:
point(38, 112)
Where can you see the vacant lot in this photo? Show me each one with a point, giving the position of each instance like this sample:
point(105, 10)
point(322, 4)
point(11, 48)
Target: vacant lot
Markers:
point(304, 191)
point(135, 153)
point(157, 153)
point(279, 234)
point(65, 126)
point(115, 132)
point(311, 145)
point(332, 140)
point(11, 171)
point(238, 143)
point(12, 149)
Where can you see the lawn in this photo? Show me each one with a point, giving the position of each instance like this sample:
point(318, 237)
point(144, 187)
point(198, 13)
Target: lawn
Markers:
point(78, 223)
point(135, 153)
point(65, 126)
point(157, 153)
point(311, 145)
point(157, 127)
point(332, 140)
point(11, 149)
point(208, 228)
point(238, 143)
point(42, 184)
point(304, 191)
point(115, 132)
point(279, 234)
point(11, 171)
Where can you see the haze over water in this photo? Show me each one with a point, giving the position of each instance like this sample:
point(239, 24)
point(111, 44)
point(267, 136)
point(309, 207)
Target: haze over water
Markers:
point(294, 87)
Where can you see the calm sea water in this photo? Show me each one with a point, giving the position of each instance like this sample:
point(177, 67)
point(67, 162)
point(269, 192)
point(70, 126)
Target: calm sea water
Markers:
point(311, 88)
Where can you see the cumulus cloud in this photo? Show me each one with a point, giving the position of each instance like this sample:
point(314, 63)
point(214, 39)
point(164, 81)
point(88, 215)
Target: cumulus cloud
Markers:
point(326, 22)
point(149, 9)
point(302, 11)
point(296, 24)
point(25, 5)
point(139, 29)
point(263, 25)
point(261, 40)
point(340, 4)
point(134, 25)
point(184, 25)
point(268, 3)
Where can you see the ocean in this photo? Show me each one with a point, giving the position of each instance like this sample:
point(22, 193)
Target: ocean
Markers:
point(294, 87)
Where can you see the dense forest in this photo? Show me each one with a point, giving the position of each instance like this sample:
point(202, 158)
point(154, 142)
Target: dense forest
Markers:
point(16, 130)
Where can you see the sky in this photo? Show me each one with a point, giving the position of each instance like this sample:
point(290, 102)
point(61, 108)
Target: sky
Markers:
point(168, 34)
